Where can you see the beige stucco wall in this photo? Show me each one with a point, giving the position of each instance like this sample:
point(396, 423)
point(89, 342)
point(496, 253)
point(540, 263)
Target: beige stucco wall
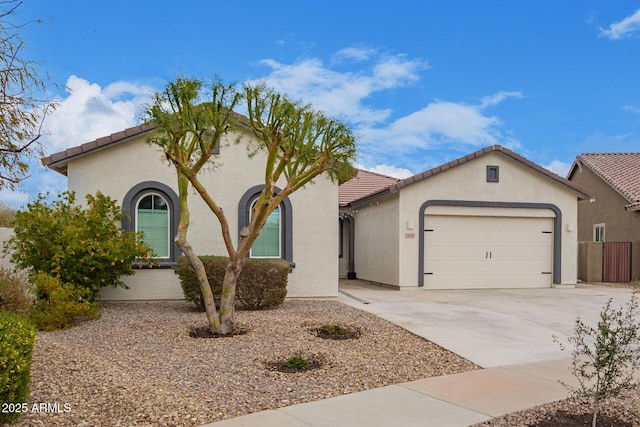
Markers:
point(468, 182)
point(607, 207)
point(115, 170)
point(376, 241)
point(590, 261)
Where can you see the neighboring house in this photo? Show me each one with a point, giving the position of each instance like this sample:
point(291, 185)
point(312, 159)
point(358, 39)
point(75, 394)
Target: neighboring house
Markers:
point(492, 219)
point(304, 229)
point(613, 213)
point(362, 185)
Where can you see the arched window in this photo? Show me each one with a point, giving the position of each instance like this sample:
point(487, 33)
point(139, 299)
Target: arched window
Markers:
point(152, 218)
point(153, 208)
point(276, 237)
point(267, 245)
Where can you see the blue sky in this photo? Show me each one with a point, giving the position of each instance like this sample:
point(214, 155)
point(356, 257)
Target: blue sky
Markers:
point(422, 83)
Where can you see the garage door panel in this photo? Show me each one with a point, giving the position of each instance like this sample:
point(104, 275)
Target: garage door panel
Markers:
point(484, 252)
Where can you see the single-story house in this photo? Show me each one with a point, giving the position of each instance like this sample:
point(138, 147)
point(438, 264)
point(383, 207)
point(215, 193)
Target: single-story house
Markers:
point(612, 215)
point(304, 229)
point(492, 219)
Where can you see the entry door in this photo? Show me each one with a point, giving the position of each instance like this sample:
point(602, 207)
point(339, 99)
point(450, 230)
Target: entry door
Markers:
point(466, 252)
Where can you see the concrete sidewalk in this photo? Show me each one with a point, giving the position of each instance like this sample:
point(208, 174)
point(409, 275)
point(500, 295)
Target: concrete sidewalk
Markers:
point(508, 332)
point(448, 401)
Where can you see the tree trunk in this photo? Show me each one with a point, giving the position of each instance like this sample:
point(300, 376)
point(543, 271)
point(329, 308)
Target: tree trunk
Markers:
point(207, 294)
point(196, 263)
point(595, 411)
point(227, 304)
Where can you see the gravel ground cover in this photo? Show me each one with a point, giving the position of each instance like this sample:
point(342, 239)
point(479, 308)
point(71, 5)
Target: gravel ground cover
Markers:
point(138, 366)
point(621, 411)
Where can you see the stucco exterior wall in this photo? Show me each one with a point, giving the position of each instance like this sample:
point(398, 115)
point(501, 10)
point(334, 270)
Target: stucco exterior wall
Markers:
point(376, 241)
point(468, 182)
point(590, 261)
point(116, 169)
point(606, 208)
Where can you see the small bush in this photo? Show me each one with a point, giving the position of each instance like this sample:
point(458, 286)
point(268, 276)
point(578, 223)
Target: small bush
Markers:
point(605, 358)
point(14, 291)
point(296, 363)
point(17, 338)
point(80, 245)
point(262, 283)
point(337, 332)
point(59, 304)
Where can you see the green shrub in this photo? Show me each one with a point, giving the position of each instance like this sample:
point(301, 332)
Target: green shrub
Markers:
point(605, 358)
point(296, 363)
point(17, 338)
point(59, 304)
point(82, 246)
point(14, 291)
point(262, 284)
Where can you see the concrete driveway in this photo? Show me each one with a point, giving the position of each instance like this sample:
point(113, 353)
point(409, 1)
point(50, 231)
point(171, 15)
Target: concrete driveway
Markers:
point(493, 327)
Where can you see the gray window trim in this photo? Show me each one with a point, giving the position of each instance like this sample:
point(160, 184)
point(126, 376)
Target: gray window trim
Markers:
point(286, 218)
point(490, 177)
point(130, 201)
point(557, 229)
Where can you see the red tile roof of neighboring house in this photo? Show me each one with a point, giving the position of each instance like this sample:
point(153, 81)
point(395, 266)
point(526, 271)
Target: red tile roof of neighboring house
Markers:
point(399, 184)
point(362, 185)
point(620, 170)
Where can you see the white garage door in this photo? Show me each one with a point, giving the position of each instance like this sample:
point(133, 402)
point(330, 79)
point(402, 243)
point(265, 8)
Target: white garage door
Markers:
point(464, 252)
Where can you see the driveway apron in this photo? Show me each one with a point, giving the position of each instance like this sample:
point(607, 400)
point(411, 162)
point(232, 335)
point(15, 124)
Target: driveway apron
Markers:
point(490, 327)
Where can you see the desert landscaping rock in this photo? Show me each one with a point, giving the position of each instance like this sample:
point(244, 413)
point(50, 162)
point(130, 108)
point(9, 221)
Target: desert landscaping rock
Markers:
point(138, 366)
point(622, 411)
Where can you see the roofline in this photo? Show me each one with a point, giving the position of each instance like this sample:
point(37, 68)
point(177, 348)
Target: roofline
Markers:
point(635, 206)
point(393, 188)
point(58, 161)
point(580, 161)
point(377, 173)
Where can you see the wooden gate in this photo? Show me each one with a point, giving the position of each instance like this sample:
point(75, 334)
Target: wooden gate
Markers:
point(616, 262)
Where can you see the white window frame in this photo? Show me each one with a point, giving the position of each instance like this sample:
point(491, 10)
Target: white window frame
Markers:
point(153, 193)
point(597, 235)
point(279, 233)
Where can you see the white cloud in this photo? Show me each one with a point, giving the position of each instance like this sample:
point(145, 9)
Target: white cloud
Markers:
point(442, 123)
point(497, 98)
point(347, 93)
point(623, 28)
point(354, 54)
point(632, 108)
point(558, 167)
point(390, 170)
point(90, 111)
point(343, 93)
point(15, 199)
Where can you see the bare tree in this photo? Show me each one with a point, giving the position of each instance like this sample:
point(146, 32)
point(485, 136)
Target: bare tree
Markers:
point(22, 108)
point(300, 144)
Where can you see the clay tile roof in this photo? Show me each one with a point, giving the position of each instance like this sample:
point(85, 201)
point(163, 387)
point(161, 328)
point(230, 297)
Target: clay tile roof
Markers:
point(362, 185)
point(620, 170)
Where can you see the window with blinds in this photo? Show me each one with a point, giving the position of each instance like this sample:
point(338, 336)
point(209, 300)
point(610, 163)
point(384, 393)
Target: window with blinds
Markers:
point(152, 218)
point(267, 245)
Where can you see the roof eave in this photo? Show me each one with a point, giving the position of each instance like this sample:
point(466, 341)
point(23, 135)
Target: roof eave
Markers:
point(582, 194)
point(635, 206)
point(59, 161)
